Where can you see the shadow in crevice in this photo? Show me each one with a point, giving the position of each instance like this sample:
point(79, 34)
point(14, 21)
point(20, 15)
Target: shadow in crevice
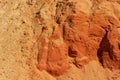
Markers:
point(72, 53)
point(104, 50)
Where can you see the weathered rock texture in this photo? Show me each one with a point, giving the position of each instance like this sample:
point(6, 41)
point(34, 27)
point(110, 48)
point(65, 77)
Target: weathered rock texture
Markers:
point(60, 40)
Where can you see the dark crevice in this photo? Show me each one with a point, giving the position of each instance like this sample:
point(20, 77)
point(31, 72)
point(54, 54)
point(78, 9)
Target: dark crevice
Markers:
point(69, 21)
point(105, 49)
point(119, 45)
point(38, 15)
point(72, 53)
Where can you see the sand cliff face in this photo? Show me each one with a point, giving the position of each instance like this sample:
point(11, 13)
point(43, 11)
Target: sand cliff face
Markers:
point(60, 40)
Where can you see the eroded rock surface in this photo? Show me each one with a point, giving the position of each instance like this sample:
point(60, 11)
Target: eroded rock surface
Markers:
point(60, 40)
